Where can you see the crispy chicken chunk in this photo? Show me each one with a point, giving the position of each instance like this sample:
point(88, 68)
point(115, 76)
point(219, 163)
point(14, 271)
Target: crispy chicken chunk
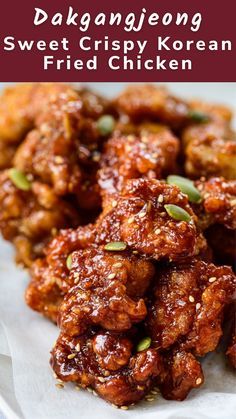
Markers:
point(50, 278)
point(210, 150)
point(218, 202)
point(155, 103)
point(104, 361)
point(187, 307)
point(182, 373)
point(108, 291)
point(129, 157)
point(31, 217)
point(137, 216)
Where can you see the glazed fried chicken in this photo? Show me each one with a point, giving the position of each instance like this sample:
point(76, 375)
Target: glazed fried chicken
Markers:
point(137, 218)
point(185, 319)
point(188, 306)
point(145, 156)
point(149, 102)
point(30, 218)
point(218, 202)
point(108, 363)
point(119, 252)
point(217, 216)
point(210, 150)
point(57, 156)
point(108, 291)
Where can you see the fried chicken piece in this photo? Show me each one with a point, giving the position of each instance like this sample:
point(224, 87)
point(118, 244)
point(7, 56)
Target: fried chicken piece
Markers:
point(134, 217)
point(129, 157)
point(187, 307)
point(217, 216)
point(50, 279)
point(14, 118)
point(29, 217)
point(182, 373)
point(60, 151)
point(137, 216)
point(104, 361)
point(47, 155)
point(210, 150)
point(108, 291)
point(23, 104)
point(155, 103)
point(218, 204)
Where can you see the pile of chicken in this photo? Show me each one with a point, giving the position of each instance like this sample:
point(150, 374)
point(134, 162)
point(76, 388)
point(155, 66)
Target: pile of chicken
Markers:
point(124, 211)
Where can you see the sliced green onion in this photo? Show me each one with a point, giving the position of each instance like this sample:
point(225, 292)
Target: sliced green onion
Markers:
point(105, 124)
point(198, 116)
point(19, 179)
point(144, 344)
point(186, 186)
point(177, 213)
point(69, 261)
point(115, 246)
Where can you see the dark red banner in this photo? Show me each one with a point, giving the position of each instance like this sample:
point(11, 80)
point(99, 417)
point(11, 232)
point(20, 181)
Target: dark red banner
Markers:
point(117, 41)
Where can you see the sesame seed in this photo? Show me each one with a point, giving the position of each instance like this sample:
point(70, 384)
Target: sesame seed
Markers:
point(114, 405)
point(142, 214)
point(89, 389)
point(140, 388)
point(111, 276)
point(130, 220)
point(212, 279)
point(76, 280)
point(117, 265)
point(135, 252)
point(71, 356)
point(114, 204)
point(59, 385)
point(150, 399)
point(124, 407)
point(160, 198)
point(96, 157)
point(233, 202)
point(191, 299)
point(101, 379)
point(152, 160)
point(59, 381)
point(157, 231)
point(94, 393)
point(55, 375)
point(77, 347)
point(198, 381)
point(86, 309)
point(77, 388)
point(106, 373)
point(130, 138)
point(59, 159)
point(154, 392)
point(198, 305)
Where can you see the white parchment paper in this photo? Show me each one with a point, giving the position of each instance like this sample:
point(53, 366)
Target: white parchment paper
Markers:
point(27, 386)
point(26, 339)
